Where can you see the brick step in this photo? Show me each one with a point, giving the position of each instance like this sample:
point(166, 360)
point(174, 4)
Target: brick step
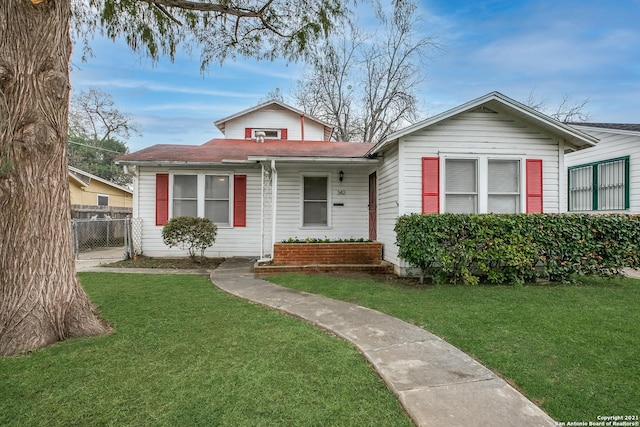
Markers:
point(384, 268)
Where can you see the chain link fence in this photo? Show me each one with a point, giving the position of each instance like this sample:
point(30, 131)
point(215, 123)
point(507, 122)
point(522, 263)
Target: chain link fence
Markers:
point(104, 237)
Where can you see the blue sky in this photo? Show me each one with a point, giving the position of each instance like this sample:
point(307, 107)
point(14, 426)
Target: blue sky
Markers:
point(587, 49)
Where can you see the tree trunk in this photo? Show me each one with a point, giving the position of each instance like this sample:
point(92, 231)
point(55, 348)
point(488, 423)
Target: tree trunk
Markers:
point(41, 301)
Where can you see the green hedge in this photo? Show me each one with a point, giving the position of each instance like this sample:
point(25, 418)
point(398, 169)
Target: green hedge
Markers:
point(504, 249)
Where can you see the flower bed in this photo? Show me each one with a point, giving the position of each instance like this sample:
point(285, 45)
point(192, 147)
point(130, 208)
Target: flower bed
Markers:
point(327, 253)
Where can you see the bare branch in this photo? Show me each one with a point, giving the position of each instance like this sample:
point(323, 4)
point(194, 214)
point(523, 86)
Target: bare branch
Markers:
point(94, 115)
point(567, 111)
point(362, 84)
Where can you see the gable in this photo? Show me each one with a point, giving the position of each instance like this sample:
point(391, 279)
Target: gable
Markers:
point(494, 103)
point(272, 116)
point(484, 130)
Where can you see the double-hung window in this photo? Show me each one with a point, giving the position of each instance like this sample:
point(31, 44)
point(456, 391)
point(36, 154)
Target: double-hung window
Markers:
point(201, 195)
point(599, 186)
point(315, 201)
point(185, 195)
point(216, 198)
point(503, 186)
point(482, 185)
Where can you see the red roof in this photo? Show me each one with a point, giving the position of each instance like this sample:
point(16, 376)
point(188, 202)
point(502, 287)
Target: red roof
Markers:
point(217, 150)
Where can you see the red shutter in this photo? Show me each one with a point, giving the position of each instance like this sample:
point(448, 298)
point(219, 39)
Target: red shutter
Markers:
point(430, 185)
point(240, 201)
point(534, 186)
point(162, 198)
point(284, 134)
point(247, 133)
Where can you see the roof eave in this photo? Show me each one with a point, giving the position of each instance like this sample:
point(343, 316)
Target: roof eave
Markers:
point(168, 163)
point(97, 178)
point(220, 123)
point(606, 130)
point(314, 159)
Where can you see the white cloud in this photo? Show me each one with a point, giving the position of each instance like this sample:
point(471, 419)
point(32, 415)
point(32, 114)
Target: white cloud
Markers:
point(164, 87)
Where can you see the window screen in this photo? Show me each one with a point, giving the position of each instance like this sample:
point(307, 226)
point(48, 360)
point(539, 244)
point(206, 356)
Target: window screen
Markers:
point(461, 186)
point(315, 201)
point(216, 198)
point(503, 186)
point(185, 195)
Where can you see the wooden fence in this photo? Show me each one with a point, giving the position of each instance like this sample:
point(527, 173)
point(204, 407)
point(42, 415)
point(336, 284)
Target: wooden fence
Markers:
point(99, 212)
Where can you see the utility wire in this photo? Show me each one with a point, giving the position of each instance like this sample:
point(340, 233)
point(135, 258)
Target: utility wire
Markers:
point(96, 148)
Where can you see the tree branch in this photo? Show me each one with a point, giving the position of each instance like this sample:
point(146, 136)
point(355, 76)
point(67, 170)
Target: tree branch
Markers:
point(208, 7)
point(167, 14)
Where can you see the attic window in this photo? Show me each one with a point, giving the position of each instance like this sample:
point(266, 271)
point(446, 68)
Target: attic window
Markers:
point(268, 133)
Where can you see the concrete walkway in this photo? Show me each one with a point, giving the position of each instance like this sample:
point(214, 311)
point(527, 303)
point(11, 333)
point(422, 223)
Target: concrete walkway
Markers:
point(437, 384)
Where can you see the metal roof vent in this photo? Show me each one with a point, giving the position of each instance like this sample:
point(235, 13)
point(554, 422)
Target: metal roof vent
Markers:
point(260, 137)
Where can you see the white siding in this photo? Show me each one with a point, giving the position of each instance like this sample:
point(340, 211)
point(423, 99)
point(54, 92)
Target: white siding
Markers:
point(349, 220)
point(388, 202)
point(236, 241)
point(274, 119)
point(470, 133)
point(481, 134)
point(612, 144)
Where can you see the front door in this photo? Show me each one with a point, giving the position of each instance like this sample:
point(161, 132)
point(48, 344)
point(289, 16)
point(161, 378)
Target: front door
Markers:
point(373, 207)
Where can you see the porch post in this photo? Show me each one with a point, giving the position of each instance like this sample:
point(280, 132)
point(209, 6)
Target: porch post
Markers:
point(262, 211)
point(274, 203)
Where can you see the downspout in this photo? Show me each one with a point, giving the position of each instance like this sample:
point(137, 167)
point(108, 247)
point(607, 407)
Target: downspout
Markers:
point(302, 127)
point(274, 203)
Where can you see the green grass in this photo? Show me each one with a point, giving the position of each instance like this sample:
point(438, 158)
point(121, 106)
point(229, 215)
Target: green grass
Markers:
point(574, 350)
point(184, 353)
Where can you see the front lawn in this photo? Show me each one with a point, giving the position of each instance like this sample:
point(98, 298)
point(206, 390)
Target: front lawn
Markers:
point(571, 349)
point(184, 353)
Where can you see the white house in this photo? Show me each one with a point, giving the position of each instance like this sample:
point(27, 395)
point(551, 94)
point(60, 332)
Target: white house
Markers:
point(605, 178)
point(276, 175)
point(491, 154)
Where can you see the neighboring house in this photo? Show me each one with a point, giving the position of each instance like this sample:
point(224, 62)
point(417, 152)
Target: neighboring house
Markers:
point(491, 154)
point(605, 178)
point(90, 190)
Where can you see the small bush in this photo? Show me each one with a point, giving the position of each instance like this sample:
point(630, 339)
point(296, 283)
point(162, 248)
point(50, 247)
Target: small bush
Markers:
point(190, 233)
point(518, 248)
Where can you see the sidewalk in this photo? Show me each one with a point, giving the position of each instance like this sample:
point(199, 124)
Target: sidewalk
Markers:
point(437, 384)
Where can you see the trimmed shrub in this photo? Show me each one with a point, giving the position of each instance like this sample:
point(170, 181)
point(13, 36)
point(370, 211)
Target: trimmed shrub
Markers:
point(518, 248)
point(190, 233)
